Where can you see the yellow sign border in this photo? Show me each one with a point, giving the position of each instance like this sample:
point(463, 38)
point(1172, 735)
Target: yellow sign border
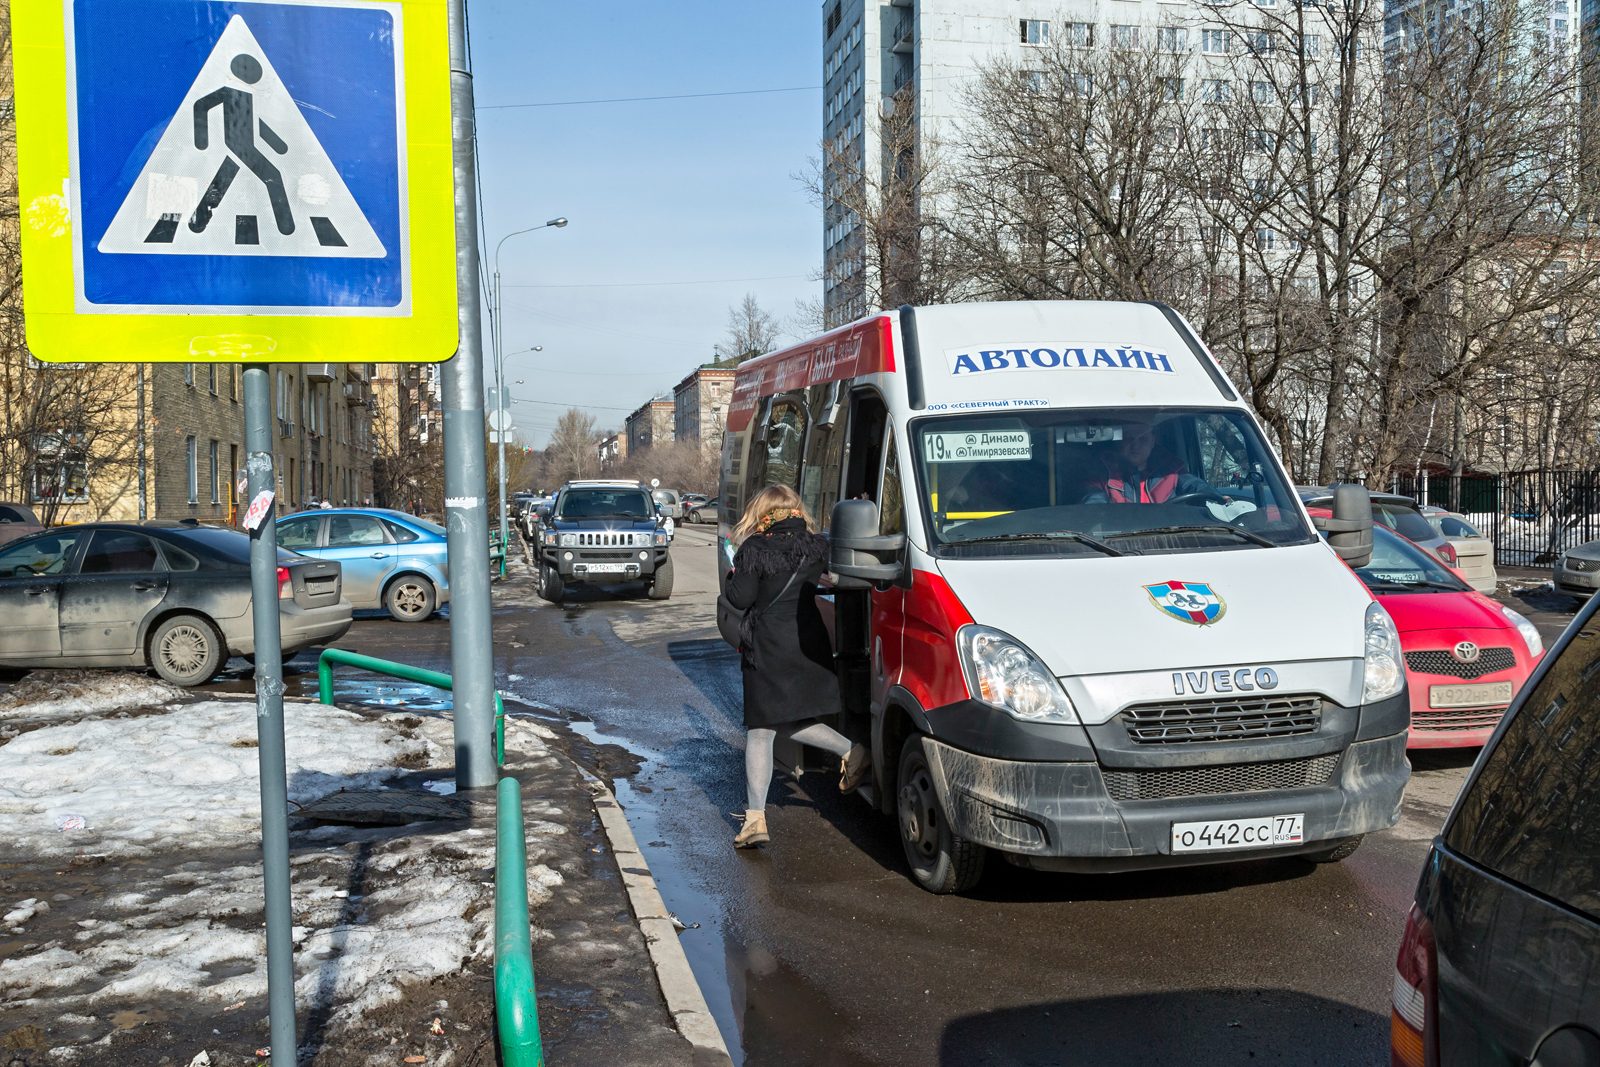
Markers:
point(56, 332)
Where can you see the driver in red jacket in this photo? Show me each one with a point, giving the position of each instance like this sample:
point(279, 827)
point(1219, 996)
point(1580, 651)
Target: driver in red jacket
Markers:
point(1139, 473)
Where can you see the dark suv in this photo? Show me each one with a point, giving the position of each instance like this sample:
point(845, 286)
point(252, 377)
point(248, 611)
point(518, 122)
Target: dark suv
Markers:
point(1501, 957)
point(603, 532)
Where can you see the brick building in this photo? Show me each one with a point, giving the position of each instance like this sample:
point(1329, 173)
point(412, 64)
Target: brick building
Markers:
point(651, 424)
point(699, 406)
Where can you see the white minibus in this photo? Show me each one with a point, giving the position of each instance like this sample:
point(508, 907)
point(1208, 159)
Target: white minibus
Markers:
point(1078, 610)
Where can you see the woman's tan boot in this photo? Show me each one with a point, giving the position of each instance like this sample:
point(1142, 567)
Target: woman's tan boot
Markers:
point(754, 831)
point(854, 767)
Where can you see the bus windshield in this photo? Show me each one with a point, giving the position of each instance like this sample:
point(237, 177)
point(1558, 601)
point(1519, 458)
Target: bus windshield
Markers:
point(1127, 481)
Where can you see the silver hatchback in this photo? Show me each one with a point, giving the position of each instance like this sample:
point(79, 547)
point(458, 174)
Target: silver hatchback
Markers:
point(1577, 571)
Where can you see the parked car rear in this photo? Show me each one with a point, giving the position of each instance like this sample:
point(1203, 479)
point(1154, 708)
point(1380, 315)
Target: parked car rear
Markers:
point(1500, 962)
point(172, 597)
point(17, 521)
point(1474, 550)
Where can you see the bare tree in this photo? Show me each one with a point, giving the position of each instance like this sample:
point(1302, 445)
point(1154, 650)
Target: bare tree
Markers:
point(571, 452)
point(752, 332)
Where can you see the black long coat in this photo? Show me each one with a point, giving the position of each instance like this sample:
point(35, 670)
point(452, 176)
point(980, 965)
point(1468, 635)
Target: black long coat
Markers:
point(788, 659)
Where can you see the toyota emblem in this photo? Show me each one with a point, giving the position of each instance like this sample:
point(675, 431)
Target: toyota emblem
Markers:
point(1466, 652)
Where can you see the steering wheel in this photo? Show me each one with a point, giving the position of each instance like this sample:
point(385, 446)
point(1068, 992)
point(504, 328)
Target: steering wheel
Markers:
point(1199, 496)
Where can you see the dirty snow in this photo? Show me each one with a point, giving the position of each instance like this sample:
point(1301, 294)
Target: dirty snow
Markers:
point(187, 778)
point(53, 695)
point(374, 910)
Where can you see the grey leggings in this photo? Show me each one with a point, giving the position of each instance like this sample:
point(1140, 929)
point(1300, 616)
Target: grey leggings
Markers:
point(758, 754)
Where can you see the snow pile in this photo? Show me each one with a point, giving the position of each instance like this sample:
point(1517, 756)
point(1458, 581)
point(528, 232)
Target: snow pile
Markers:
point(374, 910)
point(74, 694)
point(186, 778)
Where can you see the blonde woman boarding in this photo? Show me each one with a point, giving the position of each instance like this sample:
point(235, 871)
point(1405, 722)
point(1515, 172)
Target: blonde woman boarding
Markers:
point(784, 650)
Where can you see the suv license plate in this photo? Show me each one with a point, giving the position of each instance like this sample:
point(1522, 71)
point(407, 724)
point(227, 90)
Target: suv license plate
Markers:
point(1232, 834)
point(1472, 695)
point(607, 568)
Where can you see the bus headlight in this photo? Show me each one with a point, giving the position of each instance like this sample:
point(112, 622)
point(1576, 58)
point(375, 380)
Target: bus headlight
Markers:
point(1385, 674)
point(1001, 672)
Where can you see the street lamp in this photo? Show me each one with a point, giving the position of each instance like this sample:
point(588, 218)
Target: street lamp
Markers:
point(499, 370)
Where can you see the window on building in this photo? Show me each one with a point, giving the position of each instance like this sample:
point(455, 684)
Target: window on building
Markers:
point(1079, 34)
point(1310, 45)
point(216, 476)
point(1035, 31)
point(1266, 240)
point(1172, 39)
point(188, 374)
point(1261, 92)
point(1172, 88)
point(1125, 37)
point(1214, 91)
point(211, 376)
point(1262, 141)
point(283, 396)
point(60, 468)
point(192, 465)
point(1216, 42)
point(1033, 81)
point(1261, 42)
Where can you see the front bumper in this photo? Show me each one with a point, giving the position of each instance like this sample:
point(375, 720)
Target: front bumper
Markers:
point(1061, 816)
point(1582, 584)
point(573, 564)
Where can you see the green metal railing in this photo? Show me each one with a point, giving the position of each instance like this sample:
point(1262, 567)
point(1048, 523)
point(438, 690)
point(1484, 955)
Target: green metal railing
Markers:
point(515, 1003)
point(408, 673)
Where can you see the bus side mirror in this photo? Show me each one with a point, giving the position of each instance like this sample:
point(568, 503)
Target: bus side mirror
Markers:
point(1350, 529)
point(858, 555)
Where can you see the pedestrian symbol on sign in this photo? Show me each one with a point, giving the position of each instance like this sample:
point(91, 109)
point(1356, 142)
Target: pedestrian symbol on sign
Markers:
point(267, 170)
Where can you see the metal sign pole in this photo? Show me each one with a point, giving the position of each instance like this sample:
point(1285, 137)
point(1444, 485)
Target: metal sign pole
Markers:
point(465, 478)
point(269, 720)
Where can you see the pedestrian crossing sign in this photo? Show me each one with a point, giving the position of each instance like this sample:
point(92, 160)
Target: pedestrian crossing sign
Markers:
point(236, 179)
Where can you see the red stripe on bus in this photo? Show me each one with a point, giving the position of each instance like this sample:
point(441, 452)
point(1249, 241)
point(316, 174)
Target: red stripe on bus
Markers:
point(860, 348)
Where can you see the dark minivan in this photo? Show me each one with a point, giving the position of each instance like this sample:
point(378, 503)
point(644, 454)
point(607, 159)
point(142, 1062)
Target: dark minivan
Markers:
point(1500, 963)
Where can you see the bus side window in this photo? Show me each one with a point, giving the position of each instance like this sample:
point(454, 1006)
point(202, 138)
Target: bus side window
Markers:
point(776, 461)
point(891, 517)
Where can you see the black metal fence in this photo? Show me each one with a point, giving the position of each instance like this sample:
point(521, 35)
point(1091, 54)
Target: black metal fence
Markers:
point(1533, 516)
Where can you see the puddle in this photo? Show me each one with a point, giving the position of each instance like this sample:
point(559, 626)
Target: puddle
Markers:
point(767, 1012)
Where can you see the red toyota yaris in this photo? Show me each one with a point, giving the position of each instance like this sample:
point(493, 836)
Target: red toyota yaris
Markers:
point(1466, 655)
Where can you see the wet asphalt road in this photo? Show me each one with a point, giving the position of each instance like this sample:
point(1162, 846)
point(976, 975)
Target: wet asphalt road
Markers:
point(818, 950)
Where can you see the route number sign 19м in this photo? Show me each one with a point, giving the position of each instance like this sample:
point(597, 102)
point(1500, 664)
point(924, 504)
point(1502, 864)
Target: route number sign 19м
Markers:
point(236, 179)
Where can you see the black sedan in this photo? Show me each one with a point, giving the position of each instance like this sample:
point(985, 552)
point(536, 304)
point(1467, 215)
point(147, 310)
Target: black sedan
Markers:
point(1500, 963)
point(163, 595)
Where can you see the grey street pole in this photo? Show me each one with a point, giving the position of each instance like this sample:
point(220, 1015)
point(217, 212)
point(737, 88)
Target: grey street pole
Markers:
point(465, 480)
point(497, 331)
point(269, 721)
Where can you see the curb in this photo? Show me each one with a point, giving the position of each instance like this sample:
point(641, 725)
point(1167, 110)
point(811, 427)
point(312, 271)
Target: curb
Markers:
point(685, 1002)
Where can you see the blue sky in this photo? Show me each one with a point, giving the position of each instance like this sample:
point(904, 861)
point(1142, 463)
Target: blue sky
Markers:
point(656, 191)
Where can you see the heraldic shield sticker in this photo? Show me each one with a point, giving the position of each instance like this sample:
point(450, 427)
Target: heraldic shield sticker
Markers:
point(1192, 602)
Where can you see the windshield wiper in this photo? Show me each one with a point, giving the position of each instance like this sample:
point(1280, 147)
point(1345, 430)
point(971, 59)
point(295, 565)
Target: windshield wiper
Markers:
point(1207, 527)
point(1059, 535)
point(1425, 583)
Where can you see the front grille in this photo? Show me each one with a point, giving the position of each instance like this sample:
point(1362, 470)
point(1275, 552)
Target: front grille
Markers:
point(1456, 719)
point(1573, 587)
point(1574, 564)
point(1222, 720)
point(612, 539)
point(584, 557)
point(1213, 781)
point(1438, 661)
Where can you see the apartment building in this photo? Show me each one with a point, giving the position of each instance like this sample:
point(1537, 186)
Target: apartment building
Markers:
point(883, 56)
point(650, 424)
point(185, 449)
point(699, 403)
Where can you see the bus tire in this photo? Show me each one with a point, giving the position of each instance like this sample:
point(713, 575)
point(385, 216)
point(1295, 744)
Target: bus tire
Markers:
point(1339, 851)
point(941, 860)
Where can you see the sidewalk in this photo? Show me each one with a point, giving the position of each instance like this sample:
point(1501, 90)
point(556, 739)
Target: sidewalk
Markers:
point(136, 939)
